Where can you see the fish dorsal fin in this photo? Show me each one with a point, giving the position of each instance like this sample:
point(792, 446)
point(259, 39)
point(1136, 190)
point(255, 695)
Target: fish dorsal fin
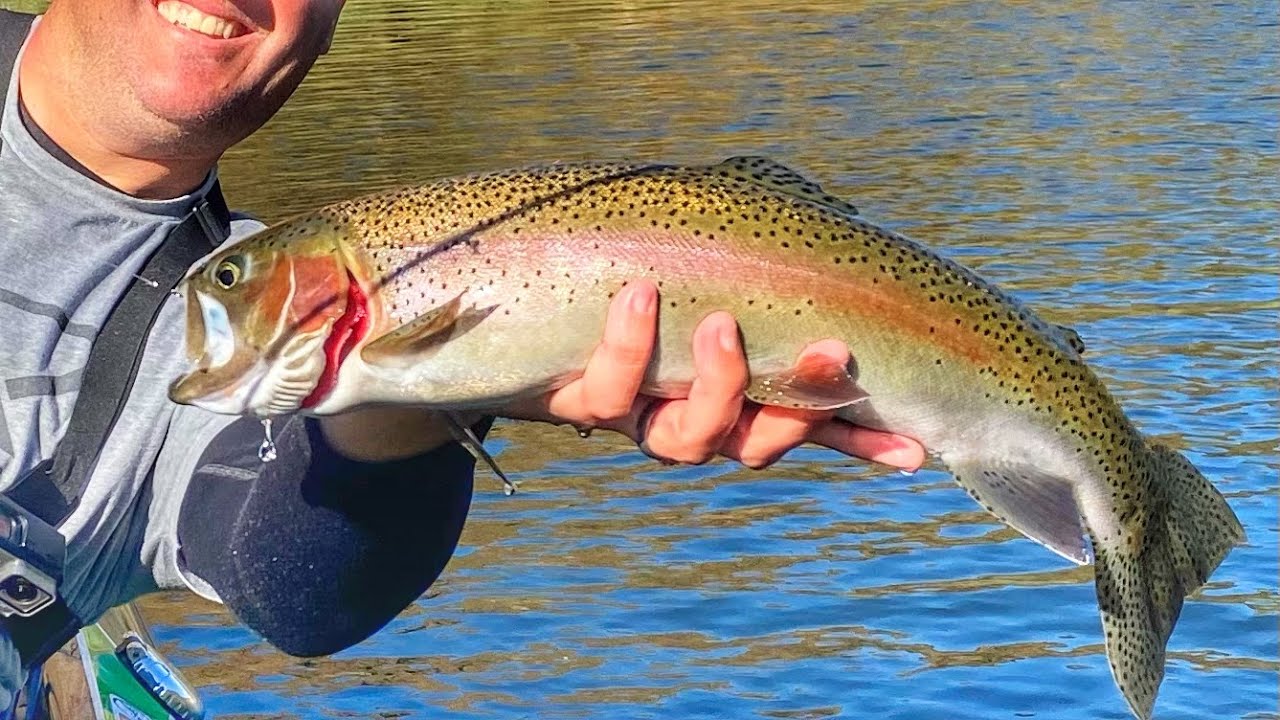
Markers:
point(770, 174)
point(1071, 338)
point(420, 337)
point(1028, 499)
point(814, 383)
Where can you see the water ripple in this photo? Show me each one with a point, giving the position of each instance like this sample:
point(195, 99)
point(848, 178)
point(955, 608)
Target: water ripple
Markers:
point(1112, 164)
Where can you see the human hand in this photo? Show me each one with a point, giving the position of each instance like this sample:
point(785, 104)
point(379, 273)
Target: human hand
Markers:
point(715, 418)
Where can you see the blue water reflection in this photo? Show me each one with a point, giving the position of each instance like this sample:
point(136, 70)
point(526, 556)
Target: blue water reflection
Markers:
point(1113, 164)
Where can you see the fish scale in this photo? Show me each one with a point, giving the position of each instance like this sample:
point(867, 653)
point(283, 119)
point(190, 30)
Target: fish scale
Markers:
point(485, 289)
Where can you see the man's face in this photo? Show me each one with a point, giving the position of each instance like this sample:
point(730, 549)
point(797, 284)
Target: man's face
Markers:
point(212, 68)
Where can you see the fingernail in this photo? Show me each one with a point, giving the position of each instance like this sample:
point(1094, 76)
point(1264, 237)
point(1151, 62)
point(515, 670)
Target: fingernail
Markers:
point(904, 455)
point(642, 301)
point(729, 337)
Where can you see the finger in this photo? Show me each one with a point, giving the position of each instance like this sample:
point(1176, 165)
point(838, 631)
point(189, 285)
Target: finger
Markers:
point(616, 369)
point(773, 431)
point(764, 434)
point(874, 445)
point(693, 431)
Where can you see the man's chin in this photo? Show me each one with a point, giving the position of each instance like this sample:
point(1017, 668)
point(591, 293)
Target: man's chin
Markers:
point(184, 78)
point(203, 111)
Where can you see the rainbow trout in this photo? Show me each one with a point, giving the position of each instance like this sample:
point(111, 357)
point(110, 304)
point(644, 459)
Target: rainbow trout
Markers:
point(470, 292)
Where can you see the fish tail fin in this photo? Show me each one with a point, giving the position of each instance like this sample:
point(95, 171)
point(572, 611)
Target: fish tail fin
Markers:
point(1144, 575)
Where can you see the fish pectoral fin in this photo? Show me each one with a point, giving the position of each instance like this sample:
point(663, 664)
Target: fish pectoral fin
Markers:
point(1035, 503)
point(813, 383)
point(771, 174)
point(422, 336)
point(467, 438)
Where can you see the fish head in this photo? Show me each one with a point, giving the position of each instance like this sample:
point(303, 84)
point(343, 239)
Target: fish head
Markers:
point(266, 321)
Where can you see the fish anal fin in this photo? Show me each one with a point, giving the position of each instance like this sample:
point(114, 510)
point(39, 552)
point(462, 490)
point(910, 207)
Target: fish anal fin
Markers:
point(815, 382)
point(771, 174)
point(1037, 504)
point(422, 336)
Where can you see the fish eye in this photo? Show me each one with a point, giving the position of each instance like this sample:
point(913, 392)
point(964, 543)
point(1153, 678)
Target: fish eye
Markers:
point(228, 272)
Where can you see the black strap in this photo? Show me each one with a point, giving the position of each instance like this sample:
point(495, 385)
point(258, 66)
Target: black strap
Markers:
point(53, 490)
point(14, 27)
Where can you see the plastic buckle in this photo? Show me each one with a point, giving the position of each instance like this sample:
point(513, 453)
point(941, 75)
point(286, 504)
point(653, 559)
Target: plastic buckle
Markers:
point(32, 556)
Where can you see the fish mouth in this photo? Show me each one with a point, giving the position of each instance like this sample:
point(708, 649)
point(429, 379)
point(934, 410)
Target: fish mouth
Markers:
point(296, 372)
point(254, 386)
point(347, 332)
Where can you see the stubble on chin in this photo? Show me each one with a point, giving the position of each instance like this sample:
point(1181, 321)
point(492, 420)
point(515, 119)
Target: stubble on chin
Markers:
point(129, 94)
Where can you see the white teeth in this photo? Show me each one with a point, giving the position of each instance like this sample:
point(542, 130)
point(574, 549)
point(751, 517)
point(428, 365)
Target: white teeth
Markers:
point(183, 15)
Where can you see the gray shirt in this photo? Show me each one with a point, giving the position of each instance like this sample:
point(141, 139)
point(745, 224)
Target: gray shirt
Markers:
point(69, 247)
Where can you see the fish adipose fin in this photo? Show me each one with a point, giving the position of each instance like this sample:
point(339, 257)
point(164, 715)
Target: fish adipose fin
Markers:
point(1036, 504)
point(814, 383)
point(420, 337)
point(770, 174)
point(467, 438)
point(1143, 575)
point(1071, 338)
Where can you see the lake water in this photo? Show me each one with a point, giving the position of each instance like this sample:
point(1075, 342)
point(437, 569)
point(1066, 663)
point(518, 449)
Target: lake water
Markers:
point(1112, 163)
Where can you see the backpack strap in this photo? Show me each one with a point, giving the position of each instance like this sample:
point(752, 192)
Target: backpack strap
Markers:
point(52, 490)
point(14, 27)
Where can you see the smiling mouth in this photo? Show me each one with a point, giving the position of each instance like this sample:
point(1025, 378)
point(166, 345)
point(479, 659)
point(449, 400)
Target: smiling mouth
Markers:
point(185, 16)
